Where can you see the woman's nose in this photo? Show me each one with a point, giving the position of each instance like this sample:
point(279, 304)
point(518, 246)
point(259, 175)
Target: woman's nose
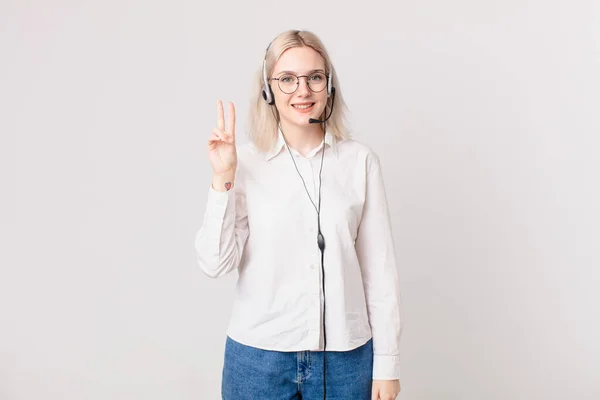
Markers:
point(303, 88)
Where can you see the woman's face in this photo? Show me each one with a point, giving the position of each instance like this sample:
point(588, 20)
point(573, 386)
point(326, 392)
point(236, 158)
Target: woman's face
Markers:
point(296, 108)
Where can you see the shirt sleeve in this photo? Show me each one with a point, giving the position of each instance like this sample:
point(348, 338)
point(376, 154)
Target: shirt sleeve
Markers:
point(220, 240)
point(375, 250)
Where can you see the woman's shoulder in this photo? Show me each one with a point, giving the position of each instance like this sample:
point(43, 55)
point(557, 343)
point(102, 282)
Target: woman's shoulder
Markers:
point(355, 148)
point(247, 152)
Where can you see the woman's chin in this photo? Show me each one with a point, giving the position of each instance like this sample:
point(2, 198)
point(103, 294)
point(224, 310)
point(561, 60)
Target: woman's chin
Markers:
point(299, 121)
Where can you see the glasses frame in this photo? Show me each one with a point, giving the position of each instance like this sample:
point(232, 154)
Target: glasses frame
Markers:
point(298, 82)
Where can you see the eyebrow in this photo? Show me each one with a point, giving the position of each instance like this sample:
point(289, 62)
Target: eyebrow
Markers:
point(295, 73)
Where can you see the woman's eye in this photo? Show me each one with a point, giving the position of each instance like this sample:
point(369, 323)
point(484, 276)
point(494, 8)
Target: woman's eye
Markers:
point(286, 79)
point(316, 78)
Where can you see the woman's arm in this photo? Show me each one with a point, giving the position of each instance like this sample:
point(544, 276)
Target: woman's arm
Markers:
point(375, 250)
point(221, 239)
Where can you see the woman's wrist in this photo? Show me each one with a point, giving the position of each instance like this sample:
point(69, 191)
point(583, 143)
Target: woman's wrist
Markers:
point(224, 181)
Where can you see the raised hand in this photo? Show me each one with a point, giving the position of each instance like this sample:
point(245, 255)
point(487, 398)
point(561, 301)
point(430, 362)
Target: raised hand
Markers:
point(221, 143)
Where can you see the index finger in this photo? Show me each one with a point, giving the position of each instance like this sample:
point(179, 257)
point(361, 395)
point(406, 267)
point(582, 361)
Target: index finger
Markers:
point(220, 116)
point(231, 121)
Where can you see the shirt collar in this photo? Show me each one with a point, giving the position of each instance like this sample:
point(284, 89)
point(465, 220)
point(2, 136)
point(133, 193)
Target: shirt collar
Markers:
point(330, 140)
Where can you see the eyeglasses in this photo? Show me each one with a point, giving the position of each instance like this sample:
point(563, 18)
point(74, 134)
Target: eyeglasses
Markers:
point(288, 83)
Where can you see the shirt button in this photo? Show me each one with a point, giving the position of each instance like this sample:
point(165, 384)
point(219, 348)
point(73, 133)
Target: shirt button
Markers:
point(312, 266)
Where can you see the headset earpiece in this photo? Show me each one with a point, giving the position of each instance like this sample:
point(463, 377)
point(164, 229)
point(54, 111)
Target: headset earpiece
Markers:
point(267, 93)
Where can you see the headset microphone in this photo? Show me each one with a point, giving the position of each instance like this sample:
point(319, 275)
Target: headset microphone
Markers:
point(320, 121)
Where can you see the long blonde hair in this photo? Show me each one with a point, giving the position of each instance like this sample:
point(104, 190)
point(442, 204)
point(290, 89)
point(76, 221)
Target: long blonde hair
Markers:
point(262, 124)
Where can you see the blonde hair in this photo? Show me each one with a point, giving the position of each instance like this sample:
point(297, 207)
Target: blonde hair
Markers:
point(262, 124)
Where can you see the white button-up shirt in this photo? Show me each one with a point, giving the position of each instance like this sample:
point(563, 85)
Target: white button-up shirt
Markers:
point(266, 228)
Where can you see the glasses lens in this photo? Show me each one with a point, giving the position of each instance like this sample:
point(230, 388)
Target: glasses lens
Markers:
point(288, 83)
point(317, 82)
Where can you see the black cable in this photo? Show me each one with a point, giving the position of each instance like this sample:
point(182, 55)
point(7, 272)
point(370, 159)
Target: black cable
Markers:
point(320, 240)
point(321, 244)
point(322, 248)
point(306, 189)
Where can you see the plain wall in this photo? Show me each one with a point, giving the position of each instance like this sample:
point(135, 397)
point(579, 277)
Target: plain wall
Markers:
point(485, 115)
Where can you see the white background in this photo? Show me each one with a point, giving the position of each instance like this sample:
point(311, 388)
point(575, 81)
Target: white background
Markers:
point(485, 115)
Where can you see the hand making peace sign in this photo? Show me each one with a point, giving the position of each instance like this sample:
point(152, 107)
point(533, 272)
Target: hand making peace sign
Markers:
point(221, 144)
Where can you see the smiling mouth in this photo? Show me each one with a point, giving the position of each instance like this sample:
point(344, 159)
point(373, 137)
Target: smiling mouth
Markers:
point(303, 107)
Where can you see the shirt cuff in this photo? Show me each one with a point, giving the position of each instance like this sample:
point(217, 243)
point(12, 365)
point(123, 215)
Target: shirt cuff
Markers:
point(217, 203)
point(386, 367)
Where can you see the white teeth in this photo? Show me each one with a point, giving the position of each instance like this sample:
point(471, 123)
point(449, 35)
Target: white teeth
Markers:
point(303, 107)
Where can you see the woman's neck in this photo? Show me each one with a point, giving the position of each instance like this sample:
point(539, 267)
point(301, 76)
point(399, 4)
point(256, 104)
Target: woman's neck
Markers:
point(302, 139)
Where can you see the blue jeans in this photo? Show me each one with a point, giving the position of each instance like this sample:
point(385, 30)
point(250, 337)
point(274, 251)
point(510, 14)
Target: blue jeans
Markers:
point(250, 373)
